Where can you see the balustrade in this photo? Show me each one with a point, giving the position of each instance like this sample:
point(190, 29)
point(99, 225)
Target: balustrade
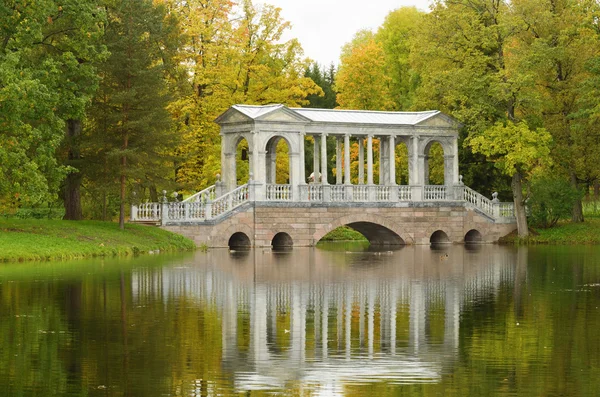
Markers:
point(338, 193)
point(404, 193)
point(435, 192)
point(201, 206)
point(279, 192)
point(148, 212)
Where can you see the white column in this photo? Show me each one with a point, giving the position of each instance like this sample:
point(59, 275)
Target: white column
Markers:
point(302, 176)
point(455, 171)
point(392, 160)
point(413, 163)
point(382, 160)
point(324, 159)
point(347, 159)
point(316, 159)
point(338, 161)
point(361, 161)
point(230, 172)
point(448, 169)
point(370, 160)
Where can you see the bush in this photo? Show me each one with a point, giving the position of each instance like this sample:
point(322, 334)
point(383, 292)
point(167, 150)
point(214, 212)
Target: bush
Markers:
point(552, 198)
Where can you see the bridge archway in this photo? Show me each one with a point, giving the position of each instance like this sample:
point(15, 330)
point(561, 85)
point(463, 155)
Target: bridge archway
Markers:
point(378, 230)
point(278, 161)
point(439, 237)
point(473, 236)
point(239, 240)
point(434, 167)
point(282, 241)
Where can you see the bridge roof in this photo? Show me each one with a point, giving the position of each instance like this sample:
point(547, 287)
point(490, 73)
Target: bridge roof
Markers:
point(335, 116)
point(365, 116)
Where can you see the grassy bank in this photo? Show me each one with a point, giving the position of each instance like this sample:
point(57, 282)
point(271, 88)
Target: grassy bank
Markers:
point(565, 233)
point(343, 233)
point(32, 239)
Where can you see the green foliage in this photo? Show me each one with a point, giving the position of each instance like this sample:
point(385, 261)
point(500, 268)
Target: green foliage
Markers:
point(47, 76)
point(343, 233)
point(514, 147)
point(53, 239)
point(325, 79)
point(552, 199)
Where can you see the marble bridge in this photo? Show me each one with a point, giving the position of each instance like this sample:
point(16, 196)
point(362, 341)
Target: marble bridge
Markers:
point(264, 213)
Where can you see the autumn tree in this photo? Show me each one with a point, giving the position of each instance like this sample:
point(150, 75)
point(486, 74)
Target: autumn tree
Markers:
point(361, 81)
point(234, 56)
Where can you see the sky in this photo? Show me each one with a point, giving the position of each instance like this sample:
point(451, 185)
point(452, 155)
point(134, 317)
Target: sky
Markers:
point(324, 26)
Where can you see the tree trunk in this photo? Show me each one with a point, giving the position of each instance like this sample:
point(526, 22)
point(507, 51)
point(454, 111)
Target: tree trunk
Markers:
point(123, 185)
point(577, 215)
point(596, 189)
point(72, 195)
point(517, 189)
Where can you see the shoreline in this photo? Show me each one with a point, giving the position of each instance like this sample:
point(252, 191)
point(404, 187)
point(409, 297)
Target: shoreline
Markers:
point(24, 240)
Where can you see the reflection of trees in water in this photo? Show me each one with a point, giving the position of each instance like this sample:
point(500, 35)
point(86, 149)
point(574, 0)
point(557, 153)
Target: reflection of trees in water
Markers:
point(219, 325)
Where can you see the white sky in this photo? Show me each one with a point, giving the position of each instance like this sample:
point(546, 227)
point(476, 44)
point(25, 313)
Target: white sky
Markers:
point(324, 26)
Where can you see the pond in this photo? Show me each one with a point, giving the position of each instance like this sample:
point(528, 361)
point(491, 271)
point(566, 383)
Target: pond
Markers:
point(339, 320)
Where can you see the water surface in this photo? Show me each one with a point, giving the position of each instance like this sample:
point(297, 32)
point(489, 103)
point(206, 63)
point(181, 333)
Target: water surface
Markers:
point(338, 320)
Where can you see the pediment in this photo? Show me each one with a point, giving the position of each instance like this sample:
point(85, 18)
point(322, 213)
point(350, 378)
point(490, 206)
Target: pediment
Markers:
point(232, 115)
point(440, 120)
point(283, 114)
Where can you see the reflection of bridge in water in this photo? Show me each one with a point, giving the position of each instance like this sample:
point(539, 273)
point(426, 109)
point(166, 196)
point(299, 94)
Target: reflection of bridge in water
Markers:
point(322, 319)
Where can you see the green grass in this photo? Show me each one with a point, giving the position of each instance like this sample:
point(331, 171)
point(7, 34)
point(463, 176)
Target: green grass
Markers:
point(565, 233)
point(36, 239)
point(343, 233)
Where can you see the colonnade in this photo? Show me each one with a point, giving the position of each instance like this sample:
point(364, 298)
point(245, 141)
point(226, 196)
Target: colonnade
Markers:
point(293, 126)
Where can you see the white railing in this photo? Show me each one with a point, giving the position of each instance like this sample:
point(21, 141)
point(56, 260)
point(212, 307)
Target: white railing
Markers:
point(315, 192)
point(404, 193)
point(507, 210)
point(360, 193)
point(203, 196)
point(478, 200)
point(435, 192)
point(230, 201)
point(279, 192)
point(338, 193)
point(203, 207)
point(148, 212)
point(382, 193)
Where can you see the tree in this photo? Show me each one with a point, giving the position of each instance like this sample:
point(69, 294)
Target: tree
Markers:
point(130, 132)
point(395, 36)
point(46, 78)
point(232, 58)
point(517, 151)
point(560, 38)
point(325, 79)
point(361, 80)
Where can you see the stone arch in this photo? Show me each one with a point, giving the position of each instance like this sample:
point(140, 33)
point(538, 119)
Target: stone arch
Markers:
point(439, 237)
point(270, 149)
point(473, 236)
point(282, 241)
point(239, 240)
point(402, 155)
point(221, 233)
point(377, 229)
point(428, 160)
